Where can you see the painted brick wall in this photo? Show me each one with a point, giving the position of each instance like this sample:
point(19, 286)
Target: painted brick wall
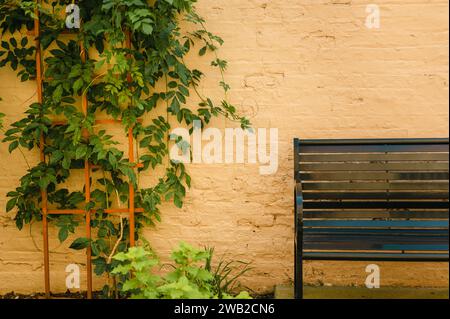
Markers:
point(310, 68)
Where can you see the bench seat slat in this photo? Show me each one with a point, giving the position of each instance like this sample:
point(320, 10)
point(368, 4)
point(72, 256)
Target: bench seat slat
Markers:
point(375, 256)
point(370, 148)
point(376, 214)
point(376, 223)
point(412, 195)
point(369, 157)
point(367, 245)
point(374, 176)
point(379, 239)
point(368, 240)
point(437, 186)
point(379, 232)
point(401, 205)
point(433, 166)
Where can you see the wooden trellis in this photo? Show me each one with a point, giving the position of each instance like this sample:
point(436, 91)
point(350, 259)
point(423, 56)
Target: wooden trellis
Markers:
point(131, 210)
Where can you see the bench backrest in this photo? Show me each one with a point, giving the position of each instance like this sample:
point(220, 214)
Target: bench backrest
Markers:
point(370, 187)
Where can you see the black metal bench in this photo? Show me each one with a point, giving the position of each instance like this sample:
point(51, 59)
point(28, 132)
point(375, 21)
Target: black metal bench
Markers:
point(371, 200)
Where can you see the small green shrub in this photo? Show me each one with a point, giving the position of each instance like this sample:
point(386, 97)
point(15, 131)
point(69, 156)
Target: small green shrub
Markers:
point(226, 274)
point(191, 277)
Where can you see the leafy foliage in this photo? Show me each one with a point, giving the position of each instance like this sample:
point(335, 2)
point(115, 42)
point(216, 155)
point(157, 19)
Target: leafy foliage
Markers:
point(119, 81)
point(191, 277)
point(226, 274)
point(18, 53)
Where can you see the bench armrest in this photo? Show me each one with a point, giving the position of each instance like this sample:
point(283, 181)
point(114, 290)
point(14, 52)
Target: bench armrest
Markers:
point(299, 203)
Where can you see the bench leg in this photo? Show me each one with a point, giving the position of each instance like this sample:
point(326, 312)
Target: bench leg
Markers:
point(298, 253)
point(298, 277)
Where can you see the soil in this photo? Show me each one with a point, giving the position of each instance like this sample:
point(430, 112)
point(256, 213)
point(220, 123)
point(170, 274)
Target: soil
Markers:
point(66, 295)
point(69, 295)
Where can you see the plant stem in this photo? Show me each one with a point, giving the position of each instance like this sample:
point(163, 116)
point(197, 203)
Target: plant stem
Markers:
point(21, 151)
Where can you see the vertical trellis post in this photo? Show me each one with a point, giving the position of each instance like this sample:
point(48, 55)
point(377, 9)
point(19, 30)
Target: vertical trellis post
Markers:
point(130, 156)
point(39, 83)
point(87, 183)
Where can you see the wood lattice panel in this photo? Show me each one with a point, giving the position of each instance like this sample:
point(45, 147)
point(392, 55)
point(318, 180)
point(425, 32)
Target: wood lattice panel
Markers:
point(87, 171)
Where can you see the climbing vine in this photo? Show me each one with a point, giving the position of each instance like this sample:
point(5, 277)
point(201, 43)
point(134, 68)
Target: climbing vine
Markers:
point(149, 80)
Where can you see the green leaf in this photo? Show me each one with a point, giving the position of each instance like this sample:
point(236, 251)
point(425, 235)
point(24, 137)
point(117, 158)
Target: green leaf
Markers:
point(24, 42)
point(13, 146)
point(175, 106)
point(81, 151)
point(202, 51)
point(66, 163)
point(13, 42)
point(95, 249)
point(44, 182)
point(131, 284)
point(100, 266)
point(147, 29)
point(128, 171)
point(80, 243)
point(121, 270)
point(19, 223)
point(178, 202)
point(102, 232)
point(89, 206)
point(78, 85)
point(63, 234)
point(57, 94)
point(57, 156)
point(99, 64)
point(120, 257)
point(11, 204)
point(112, 160)
point(173, 84)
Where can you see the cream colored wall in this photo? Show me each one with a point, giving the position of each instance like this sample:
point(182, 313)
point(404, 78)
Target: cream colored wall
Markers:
point(311, 69)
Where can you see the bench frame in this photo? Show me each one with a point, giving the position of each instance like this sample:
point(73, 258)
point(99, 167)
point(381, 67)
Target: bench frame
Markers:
point(298, 204)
